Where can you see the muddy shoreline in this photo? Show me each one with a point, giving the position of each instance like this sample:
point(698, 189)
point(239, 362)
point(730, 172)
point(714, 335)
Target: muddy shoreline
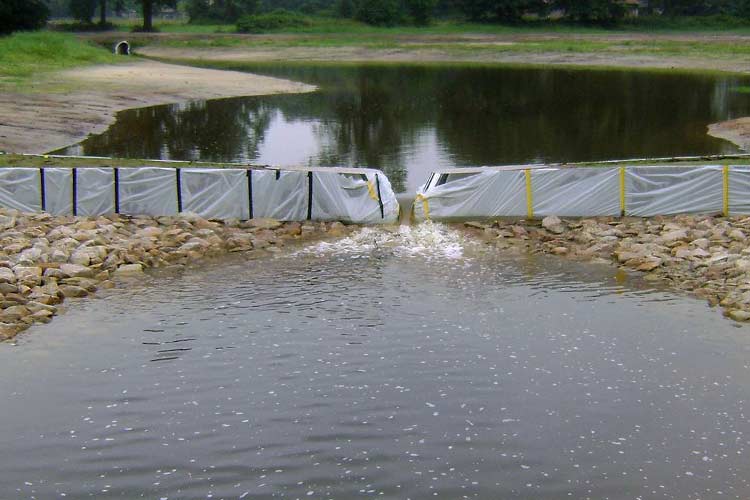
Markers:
point(45, 259)
point(736, 131)
point(63, 109)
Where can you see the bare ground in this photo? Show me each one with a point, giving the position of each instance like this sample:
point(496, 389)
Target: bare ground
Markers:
point(736, 131)
point(64, 109)
point(622, 49)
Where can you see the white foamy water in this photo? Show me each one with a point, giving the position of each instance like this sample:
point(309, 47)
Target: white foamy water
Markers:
point(428, 240)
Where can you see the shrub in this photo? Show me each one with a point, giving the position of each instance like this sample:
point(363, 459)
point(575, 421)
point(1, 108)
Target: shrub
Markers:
point(272, 21)
point(379, 12)
point(18, 15)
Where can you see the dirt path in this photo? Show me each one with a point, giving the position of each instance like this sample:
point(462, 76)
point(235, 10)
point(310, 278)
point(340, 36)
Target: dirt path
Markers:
point(65, 109)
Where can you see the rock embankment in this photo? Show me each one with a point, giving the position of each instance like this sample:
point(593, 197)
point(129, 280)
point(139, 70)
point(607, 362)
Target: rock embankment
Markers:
point(46, 259)
point(707, 256)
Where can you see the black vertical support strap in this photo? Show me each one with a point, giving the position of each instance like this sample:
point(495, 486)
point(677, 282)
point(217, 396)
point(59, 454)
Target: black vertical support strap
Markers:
point(309, 195)
point(278, 174)
point(178, 180)
point(75, 190)
point(250, 192)
point(380, 200)
point(42, 190)
point(116, 172)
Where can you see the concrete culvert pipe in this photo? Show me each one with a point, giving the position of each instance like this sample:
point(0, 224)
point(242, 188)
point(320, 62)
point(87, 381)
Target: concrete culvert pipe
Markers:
point(122, 48)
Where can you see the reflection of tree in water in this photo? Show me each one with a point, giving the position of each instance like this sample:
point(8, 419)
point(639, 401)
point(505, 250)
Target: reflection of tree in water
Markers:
point(573, 115)
point(211, 131)
point(375, 116)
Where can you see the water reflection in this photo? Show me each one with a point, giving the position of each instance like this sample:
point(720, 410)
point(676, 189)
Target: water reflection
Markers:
point(408, 120)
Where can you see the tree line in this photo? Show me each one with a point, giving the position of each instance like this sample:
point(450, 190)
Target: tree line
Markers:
point(420, 12)
point(33, 14)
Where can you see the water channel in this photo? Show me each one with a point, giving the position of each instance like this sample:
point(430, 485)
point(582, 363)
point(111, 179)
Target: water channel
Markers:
point(402, 363)
point(395, 365)
point(408, 120)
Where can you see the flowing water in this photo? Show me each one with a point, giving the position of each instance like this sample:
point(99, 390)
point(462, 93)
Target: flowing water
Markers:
point(408, 120)
point(402, 363)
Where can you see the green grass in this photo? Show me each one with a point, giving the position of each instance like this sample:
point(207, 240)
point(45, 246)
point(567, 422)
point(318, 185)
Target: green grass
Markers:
point(24, 55)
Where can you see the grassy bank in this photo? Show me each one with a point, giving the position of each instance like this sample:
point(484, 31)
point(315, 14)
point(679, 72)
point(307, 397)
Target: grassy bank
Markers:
point(27, 55)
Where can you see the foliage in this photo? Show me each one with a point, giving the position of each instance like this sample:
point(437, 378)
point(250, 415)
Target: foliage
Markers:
point(421, 10)
point(82, 10)
point(379, 12)
point(604, 12)
point(500, 10)
point(18, 15)
point(345, 9)
point(272, 21)
point(220, 10)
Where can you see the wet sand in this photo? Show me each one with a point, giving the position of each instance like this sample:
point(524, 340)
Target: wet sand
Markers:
point(736, 131)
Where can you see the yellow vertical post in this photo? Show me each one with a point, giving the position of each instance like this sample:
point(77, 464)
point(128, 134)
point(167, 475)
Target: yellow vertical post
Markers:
point(622, 191)
point(529, 195)
point(725, 191)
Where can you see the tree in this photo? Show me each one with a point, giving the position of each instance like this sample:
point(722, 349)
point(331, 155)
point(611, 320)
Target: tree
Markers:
point(604, 12)
point(148, 11)
point(421, 10)
point(227, 11)
point(22, 15)
point(102, 12)
point(379, 12)
point(345, 9)
point(82, 10)
point(500, 10)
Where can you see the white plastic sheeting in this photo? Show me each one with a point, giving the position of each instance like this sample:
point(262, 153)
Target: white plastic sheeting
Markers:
point(584, 191)
point(482, 194)
point(739, 189)
point(673, 190)
point(576, 193)
point(94, 191)
point(282, 195)
point(20, 188)
point(149, 190)
point(58, 190)
point(351, 195)
point(222, 193)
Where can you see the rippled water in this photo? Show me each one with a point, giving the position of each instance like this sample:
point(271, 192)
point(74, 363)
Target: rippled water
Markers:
point(381, 365)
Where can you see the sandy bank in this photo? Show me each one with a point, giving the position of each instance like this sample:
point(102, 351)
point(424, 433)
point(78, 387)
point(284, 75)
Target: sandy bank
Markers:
point(706, 256)
point(736, 131)
point(45, 259)
point(65, 108)
point(463, 50)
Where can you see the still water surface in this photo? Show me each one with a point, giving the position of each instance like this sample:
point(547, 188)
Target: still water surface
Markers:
point(406, 366)
point(408, 120)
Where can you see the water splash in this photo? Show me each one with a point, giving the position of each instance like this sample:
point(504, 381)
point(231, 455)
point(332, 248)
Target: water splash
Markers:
point(427, 240)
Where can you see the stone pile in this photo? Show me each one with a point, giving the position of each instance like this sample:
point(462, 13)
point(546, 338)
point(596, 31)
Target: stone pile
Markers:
point(46, 259)
point(707, 256)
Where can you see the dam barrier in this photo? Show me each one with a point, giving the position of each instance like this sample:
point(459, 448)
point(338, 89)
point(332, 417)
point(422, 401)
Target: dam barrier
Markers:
point(612, 190)
point(361, 196)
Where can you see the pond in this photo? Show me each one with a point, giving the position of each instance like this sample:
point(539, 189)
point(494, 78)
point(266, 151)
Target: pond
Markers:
point(408, 120)
point(402, 364)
